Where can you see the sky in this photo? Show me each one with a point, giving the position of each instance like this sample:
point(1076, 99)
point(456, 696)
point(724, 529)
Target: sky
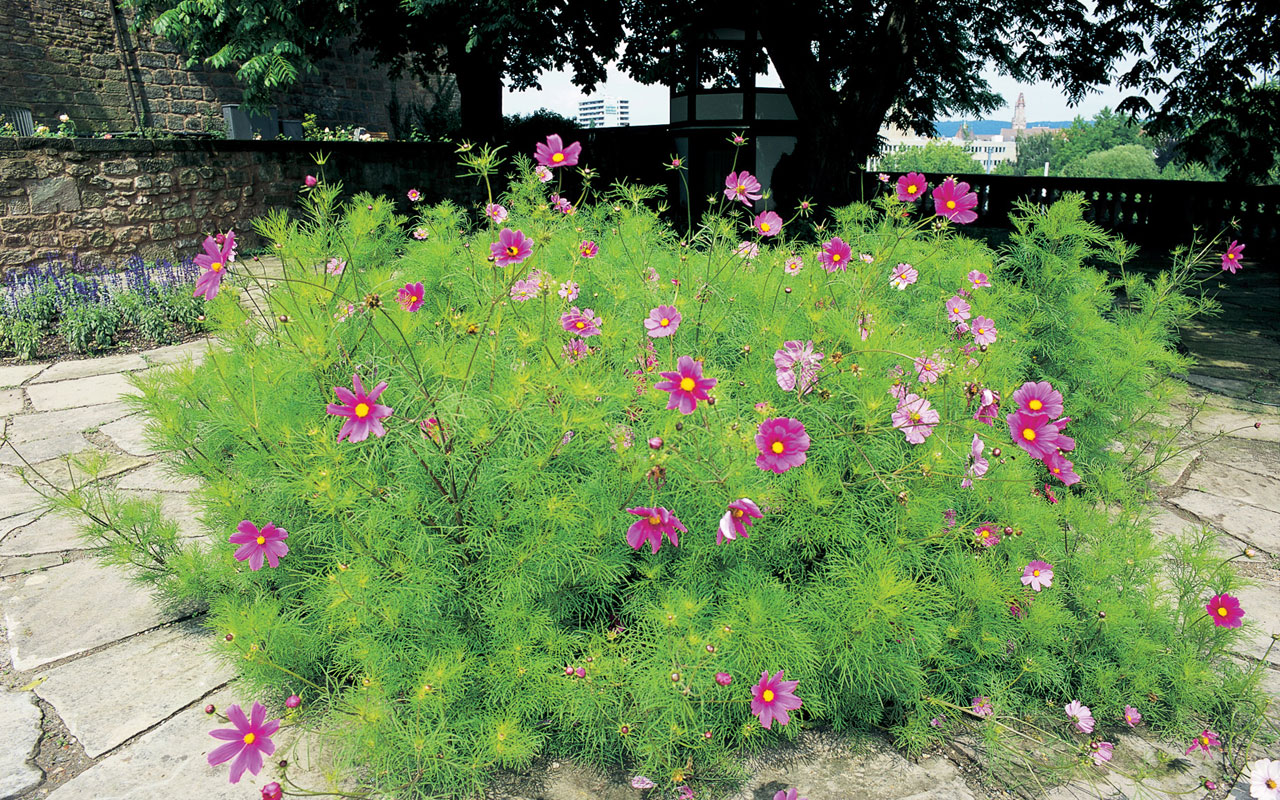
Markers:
point(649, 104)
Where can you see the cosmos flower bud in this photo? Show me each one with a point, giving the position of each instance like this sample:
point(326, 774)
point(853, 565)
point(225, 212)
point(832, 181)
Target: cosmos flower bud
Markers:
point(655, 443)
point(293, 702)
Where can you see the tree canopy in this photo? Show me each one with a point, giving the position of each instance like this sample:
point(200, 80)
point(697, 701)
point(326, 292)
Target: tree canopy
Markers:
point(933, 157)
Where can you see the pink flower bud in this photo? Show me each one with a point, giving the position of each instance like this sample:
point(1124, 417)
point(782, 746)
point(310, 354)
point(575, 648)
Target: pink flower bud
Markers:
point(293, 701)
point(272, 791)
point(309, 181)
point(655, 443)
point(724, 678)
point(582, 672)
point(209, 709)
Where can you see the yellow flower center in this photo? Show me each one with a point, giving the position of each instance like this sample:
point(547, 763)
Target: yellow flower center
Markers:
point(664, 322)
point(215, 266)
point(249, 738)
point(1231, 256)
point(1056, 470)
point(557, 157)
point(767, 696)
point(778, 447)
point(687, 384)
point(1035, 573)
point(928, 366)
point(912, 189)
point(915, 416)
point(982, 330)
point(951, 204)
point(413, 298)
point(1034, 405)
point(1222, 611)
point(764, 227)
point(262, 540)
point(741, 189)
point(1028, 434)
point(737, 512)
point(1204, 740)
point(655, 520)
point(513, 250)
point(1271, 784)
point(362, 410)
point(580, 325)
point(835, 256)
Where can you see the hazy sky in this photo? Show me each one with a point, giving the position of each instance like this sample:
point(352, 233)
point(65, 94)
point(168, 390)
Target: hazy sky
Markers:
point(649, 104)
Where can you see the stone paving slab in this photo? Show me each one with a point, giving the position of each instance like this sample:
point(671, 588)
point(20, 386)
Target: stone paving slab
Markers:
point(1237, 424)
point(1261, 604)
point(170, 762)
point(175, 506)
point(129, 434)
point(158, 477)
point(1258, 457)
point(64, 474)
point(17, 565)
point(18, 497)
point(17, 374)
point(19, 735)
point(153, 676)
point(16, 454)
point(1235, 484)
point(52, 533)
point(10, 401)
point(178, 353)
point(1248, 523)
point(89, 367)
point(71, 609)
point(32, 427)
point(11, 524)
point(80, 392)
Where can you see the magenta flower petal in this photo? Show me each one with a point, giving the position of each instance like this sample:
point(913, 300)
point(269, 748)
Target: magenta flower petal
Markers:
point(955, 202)
point(1225, 611)
point(686, 385)
point(363, 415)
point(911, 187)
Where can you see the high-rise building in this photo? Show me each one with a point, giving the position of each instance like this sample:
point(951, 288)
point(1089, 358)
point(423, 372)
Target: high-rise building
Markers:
point(604, 112)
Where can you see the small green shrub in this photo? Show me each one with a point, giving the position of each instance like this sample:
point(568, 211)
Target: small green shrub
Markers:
point(461, 591)
point(89, 327)
point(19, 336)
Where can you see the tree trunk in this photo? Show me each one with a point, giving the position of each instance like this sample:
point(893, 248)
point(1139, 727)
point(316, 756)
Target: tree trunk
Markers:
point(479, 77)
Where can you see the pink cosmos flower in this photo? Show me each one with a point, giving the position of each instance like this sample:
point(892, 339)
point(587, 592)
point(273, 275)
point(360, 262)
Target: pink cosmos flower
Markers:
point(1101, 752)
point(767, 223)
point(743, 187)
point(588, 249)
point(542, 173)
point(1039, 398)
point(724, 678)
point(641, 782)
point(255, 544)
point(1080, 715)
point(1206, 740)
point(1225, 611)
point(903, 276)
point(782, 442)
point(986, 534)
point(684, 793)
point(957, 309)
point(981, 706)
point(214, 262)
point(555, 154)
point(496, 213)
point(741, 514)
point(793, 265)
point(928, 369)
point(978, 280)
point(984, 331)
point(310, 181)
point(1131, 716)
point(867, 258)
point(788, 794)
point(662, 321)
point(747, 250)
point(797, 364)
point(411, 296)
point(654, 523)
point(420, 234)
point(955, 202)
point(883, 177)
point(915, 418)
point(835, 255)
point(1062, 469)
point(1038, 575)
point(686, 385)
point(414, 195)
point(911, 187)
point(988, 407)
point(561, 204)
point(864, 325)
point(772, 698)
point(248, 742)
point(1034, 433)
point(1231, 258)
point(978, 465)
point(524, 290)
point(272, 791)
point(336, 266)
point(512, 247)
point(1264, 779)
point(363, 414)
point(584, 323)
point(575, 350)
point(569, 291)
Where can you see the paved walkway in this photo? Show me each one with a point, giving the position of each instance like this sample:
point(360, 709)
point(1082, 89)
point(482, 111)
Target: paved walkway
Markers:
point(101, 692)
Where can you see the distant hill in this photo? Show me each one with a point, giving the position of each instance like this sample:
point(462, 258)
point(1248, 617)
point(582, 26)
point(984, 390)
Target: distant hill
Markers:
point(989, 127)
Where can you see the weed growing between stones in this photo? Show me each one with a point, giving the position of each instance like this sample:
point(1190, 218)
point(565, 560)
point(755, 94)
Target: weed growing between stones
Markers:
point(655, 503)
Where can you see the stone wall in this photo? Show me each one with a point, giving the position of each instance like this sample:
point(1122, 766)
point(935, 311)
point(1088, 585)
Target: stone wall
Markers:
point(110, 199)
point(79, 57)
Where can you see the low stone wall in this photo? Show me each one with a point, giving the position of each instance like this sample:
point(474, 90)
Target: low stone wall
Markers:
point(108, 199)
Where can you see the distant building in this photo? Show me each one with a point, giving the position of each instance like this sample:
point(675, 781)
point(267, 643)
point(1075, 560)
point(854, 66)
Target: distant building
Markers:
point(604, 112)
